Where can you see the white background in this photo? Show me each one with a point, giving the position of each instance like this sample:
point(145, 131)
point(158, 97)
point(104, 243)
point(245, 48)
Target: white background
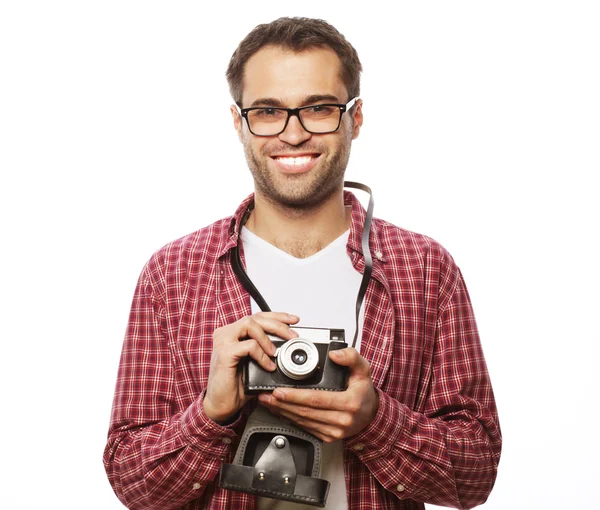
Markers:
point(482, 129)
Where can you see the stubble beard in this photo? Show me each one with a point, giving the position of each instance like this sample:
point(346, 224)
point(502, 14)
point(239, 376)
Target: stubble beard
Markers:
point(299, 191)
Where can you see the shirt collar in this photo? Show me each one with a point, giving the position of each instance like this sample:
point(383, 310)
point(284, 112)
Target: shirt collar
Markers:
point(235, 223)
point(356, 229)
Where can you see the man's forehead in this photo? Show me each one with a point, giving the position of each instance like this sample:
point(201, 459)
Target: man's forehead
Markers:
point(280, 75)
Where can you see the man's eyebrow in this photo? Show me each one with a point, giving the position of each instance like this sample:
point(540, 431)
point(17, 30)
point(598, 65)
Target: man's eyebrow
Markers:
point(267, 101)
point(312, 99)
point(317, 98)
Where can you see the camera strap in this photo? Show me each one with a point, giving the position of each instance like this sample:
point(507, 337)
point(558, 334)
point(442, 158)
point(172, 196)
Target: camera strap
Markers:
point(238, 269)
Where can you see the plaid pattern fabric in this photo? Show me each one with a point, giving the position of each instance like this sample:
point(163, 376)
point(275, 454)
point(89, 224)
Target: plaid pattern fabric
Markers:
point(435, 439)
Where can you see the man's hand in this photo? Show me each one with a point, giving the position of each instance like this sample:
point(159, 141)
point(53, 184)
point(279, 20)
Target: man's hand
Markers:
point(330, 415)
point(246, 337)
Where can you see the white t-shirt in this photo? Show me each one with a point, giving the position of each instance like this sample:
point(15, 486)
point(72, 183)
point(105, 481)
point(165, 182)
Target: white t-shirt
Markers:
point(321, 290)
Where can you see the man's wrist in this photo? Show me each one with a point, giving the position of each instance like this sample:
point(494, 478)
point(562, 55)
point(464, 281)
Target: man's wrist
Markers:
point(227, 421)
point(220, 418)
point(199, 429)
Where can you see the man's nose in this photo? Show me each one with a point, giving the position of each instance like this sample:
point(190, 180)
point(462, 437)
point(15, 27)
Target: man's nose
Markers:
point(294, 133)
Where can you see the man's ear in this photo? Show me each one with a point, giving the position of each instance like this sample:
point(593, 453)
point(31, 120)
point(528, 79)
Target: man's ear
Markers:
point(357, 118)
point(237, 120)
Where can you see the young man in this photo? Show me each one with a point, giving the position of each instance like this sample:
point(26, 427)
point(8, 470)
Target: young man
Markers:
point(418, 421)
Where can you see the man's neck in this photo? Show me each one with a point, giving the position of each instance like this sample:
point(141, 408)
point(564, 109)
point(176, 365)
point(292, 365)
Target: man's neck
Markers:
point(299, 232)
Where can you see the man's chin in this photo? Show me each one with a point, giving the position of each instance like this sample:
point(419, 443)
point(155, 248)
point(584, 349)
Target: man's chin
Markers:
point(301, 190)
point(298, 195)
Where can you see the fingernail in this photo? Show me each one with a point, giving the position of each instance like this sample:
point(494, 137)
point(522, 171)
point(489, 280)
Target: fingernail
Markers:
point(272, 365)
point(264, 398)
point(279, 395)
point(293, 317)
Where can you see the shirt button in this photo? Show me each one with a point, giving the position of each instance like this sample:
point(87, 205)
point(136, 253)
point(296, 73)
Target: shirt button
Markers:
point(399, 487)
point(196, 486)
point(226, 440)
point(378, 255)
point(359, 447)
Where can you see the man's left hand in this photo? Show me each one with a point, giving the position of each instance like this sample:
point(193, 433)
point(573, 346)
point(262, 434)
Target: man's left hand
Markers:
point(330, 415)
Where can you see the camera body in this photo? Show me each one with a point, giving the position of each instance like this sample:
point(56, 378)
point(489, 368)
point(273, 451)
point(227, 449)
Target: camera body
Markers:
point(302, 362)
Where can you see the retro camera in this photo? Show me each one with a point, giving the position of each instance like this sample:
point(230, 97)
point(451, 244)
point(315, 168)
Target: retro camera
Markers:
point(302, 362)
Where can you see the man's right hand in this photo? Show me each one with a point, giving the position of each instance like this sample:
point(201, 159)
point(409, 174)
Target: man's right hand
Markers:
point(231, 344)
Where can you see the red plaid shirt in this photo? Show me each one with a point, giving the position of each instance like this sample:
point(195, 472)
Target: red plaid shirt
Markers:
point(435, 438)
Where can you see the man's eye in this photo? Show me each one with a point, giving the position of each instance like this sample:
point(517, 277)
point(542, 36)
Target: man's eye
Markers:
point(321, 110)
point(267, 112)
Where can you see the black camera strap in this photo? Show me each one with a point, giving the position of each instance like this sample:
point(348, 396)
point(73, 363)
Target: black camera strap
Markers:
point(238, 269)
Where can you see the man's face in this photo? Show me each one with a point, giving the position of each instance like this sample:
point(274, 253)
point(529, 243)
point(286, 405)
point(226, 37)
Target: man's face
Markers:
point(296, 168)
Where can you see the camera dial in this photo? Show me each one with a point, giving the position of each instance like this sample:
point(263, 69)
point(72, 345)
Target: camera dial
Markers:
point(297, 358)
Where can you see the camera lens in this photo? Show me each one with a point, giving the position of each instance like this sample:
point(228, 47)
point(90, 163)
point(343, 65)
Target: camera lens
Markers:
point(299, 357)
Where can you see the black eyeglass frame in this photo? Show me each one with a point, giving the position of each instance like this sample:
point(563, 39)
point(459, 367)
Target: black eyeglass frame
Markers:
point(295, 112)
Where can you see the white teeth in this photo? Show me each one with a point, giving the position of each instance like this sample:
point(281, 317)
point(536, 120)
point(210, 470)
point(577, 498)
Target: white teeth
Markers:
point(302, 160)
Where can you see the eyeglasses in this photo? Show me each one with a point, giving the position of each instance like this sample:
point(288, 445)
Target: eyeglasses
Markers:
point(318, 119)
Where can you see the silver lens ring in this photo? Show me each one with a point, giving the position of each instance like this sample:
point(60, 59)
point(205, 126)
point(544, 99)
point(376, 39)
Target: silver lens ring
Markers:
point(298, 358)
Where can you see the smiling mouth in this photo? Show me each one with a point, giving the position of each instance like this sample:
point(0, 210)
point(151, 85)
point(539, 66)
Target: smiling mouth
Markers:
point(295, 160)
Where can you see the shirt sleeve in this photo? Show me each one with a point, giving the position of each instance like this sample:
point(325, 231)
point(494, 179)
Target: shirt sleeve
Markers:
point(448, 454)
point(156, 458)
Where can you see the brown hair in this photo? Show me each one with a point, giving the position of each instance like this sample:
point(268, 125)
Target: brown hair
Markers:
point(296, 34)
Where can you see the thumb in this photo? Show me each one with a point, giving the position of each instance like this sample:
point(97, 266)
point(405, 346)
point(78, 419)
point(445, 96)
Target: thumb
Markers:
point(350, 358)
